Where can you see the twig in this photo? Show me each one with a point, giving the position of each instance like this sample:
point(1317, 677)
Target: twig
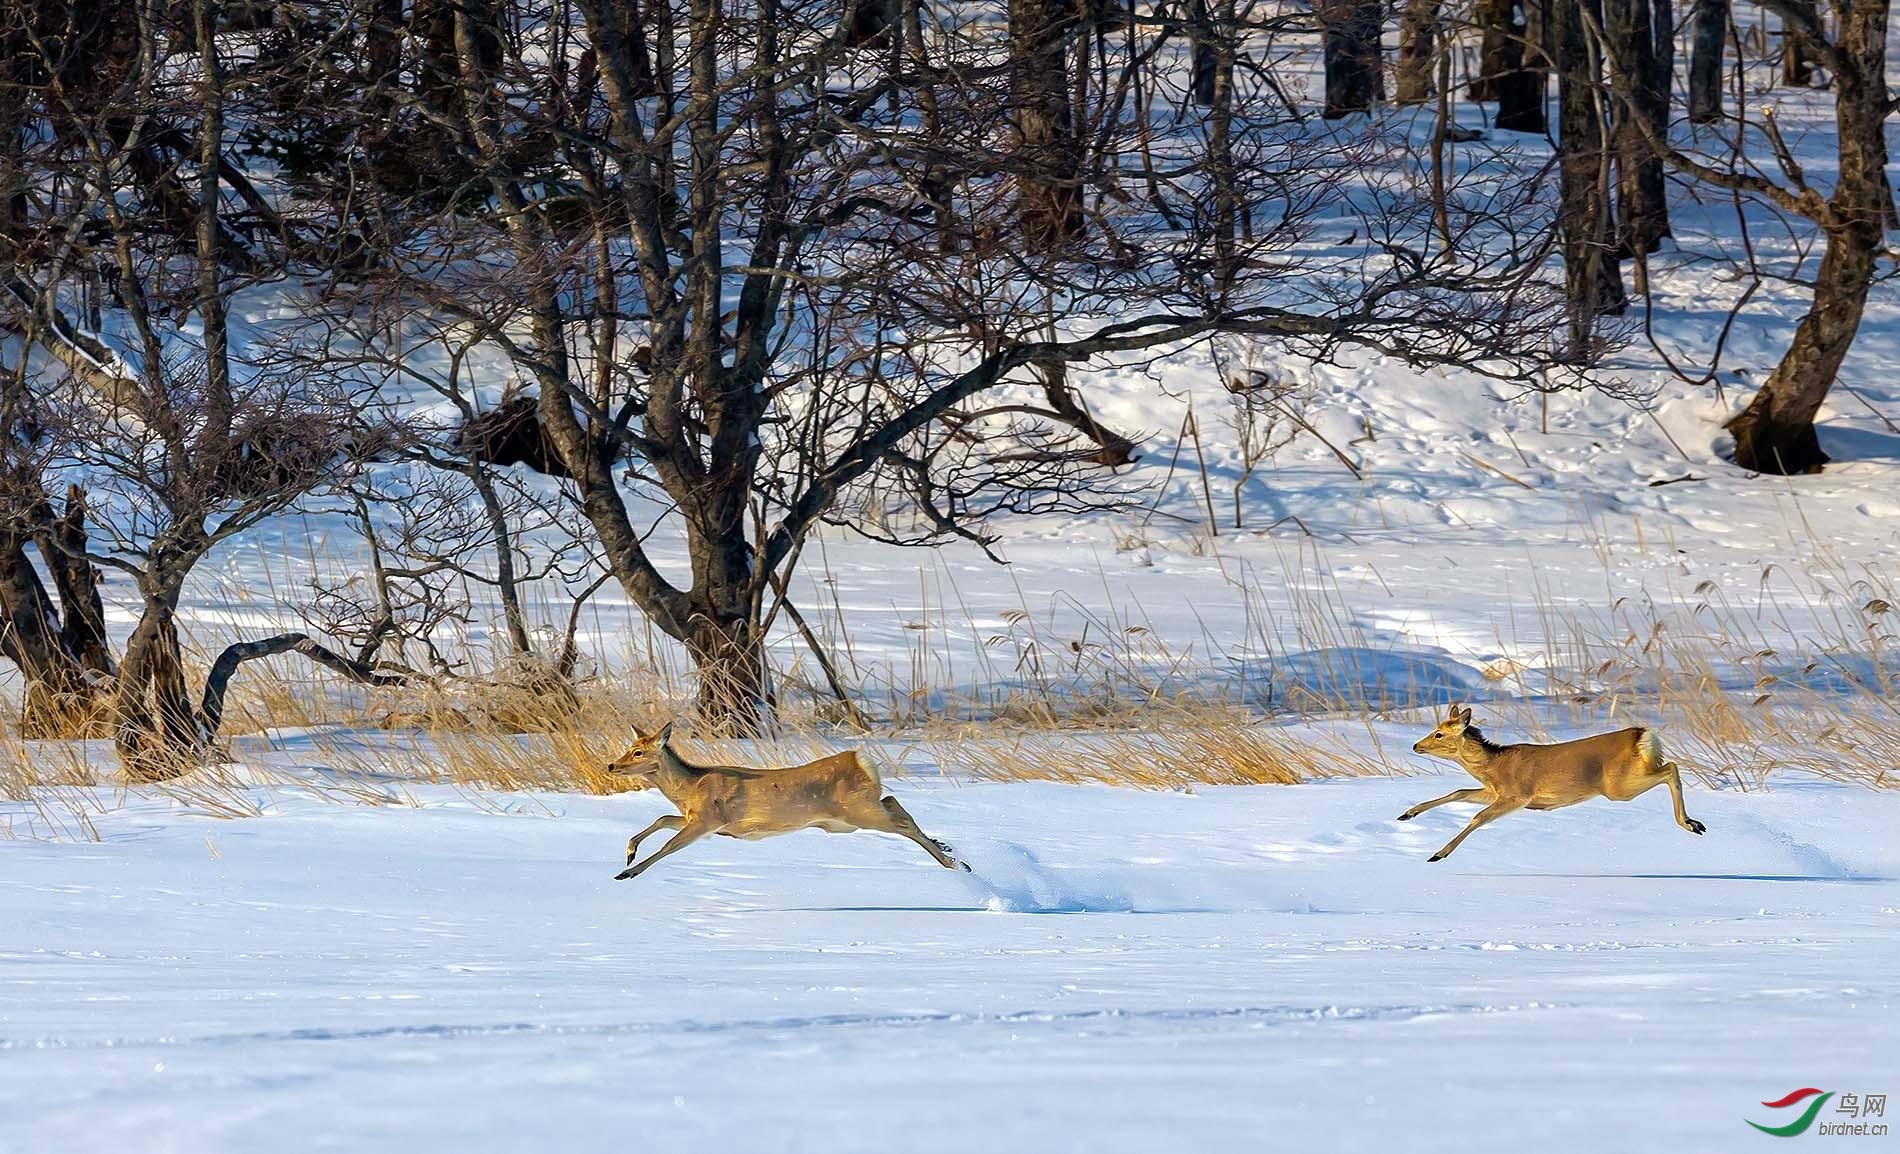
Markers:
point(1304, 424)
point(1490, 468)
point(824, 659)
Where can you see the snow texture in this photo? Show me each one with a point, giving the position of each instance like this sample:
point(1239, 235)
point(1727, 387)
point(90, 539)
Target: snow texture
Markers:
point(1239, 968)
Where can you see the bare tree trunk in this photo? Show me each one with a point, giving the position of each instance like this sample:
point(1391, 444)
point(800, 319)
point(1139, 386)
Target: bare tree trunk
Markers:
point(1418, 46)
point(1775, 433)
point(729, 655)
point(1354, 55)
point(62, 543)
point(1511, 68)
point(1641, 80)
point(1709, 38)
point(1495, 56)
point(507, 586)
point(1592, 285)
point(1049, 192)
point(14, 183)
point(1201, 76)
point(1797, 57)
point(156, 727)
point(60, 701)
point(870, 21)
point(1116, 449)
point(1112, 448)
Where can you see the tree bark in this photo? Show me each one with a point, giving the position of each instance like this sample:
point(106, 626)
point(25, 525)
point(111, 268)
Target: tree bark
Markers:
point(869, 22)
point(14, 90)
point(155, 727)
point(728, 651)
point(1775, 433)
point(1708, 40)
point(1797, 58)
point(1498, 22)
point(1592, 285)
point(61, 539)
point(218, 681)
point(59, 647)
point(1640, 72)
point(1354, 55)
point(1418, 46)
point(1201, 78)
point(1116, 449)
point(60, 701)
point(1511, 70)
point(1112, 448)
point(1048, 185)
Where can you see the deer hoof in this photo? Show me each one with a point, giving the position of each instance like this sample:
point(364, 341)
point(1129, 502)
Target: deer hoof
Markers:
point(1408, 815)
point(1697, 827)
point(623, 875)
point(1439, 856)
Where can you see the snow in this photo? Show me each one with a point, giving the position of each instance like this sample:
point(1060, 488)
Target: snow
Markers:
point(1237, 968)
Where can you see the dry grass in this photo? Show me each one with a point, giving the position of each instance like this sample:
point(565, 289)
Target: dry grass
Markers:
point(1170, 758)
point(1091, 694)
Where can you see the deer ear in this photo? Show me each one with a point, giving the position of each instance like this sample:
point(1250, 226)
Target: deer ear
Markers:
point(1464, 716)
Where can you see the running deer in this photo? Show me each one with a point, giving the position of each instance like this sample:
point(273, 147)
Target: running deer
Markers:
point(839, 794)
point(1617, 765)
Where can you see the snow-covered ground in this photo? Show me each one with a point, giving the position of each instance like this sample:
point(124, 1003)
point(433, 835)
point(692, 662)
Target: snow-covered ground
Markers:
point(1237, 968)
point(1234, 969)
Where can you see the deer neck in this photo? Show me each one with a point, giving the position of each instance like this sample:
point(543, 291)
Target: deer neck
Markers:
point(1476, 754)
point(675, 777)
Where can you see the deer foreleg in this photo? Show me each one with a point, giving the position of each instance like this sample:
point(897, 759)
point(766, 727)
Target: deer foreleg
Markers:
point(689, 833)
point(1455, 795)
point(670, 821)
point(1485, 816)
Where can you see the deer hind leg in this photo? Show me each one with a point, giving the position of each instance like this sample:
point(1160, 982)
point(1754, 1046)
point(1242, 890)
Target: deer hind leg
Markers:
point(689, 832)
point(891, 818)
point(1485, 816)
point(1673, 779)
point(1454, 795)
point(670, 821)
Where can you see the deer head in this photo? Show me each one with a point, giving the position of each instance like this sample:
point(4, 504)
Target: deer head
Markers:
point(643, 759)
point(1448, 738)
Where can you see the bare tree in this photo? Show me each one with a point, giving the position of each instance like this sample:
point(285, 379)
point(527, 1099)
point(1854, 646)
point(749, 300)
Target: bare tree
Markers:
point(1708, 23)
point(1593, 286)
point(1640, 41)
point(1797, 55)
point(1512, 66)
point(1418, 52)
point(180, 440)
point(787, 290)
point(1353, 54)
point(1775, 432)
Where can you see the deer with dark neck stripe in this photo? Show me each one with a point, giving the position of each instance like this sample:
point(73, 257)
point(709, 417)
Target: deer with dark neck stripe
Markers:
point(840, 793)
point(1617, 765)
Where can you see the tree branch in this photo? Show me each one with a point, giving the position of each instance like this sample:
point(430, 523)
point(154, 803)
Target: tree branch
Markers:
point(226, 666)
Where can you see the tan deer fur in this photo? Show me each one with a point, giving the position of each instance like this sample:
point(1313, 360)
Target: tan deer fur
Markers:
point(1617, 765)
point(839, 793)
